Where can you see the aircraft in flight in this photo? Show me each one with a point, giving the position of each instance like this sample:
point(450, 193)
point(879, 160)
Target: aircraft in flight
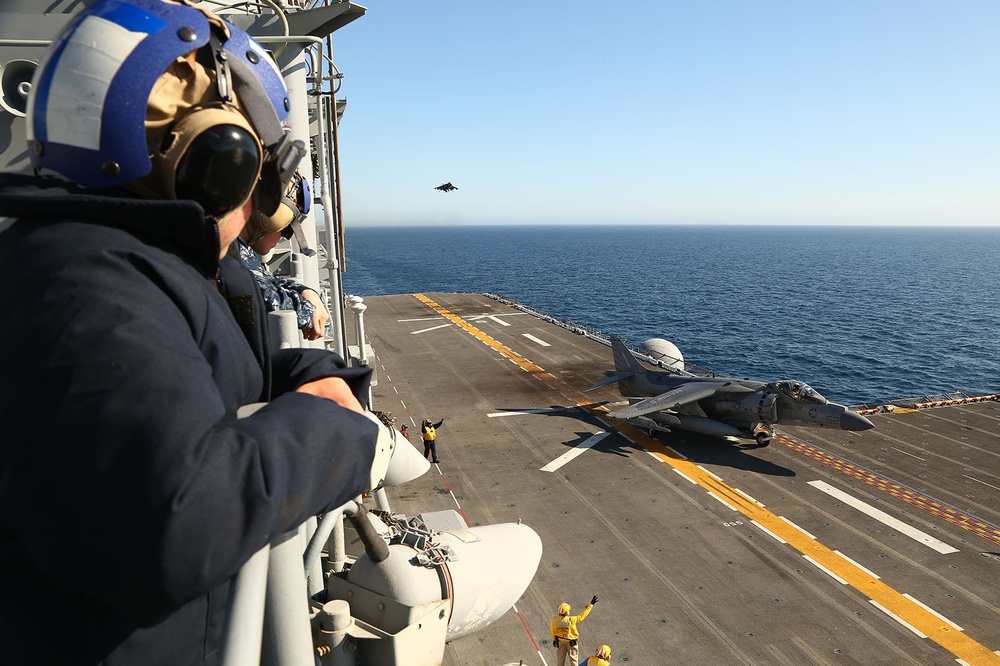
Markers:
point(446, 187)
point(720, 406)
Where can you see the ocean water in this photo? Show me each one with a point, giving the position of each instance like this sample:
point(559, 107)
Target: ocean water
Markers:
point(861, 314)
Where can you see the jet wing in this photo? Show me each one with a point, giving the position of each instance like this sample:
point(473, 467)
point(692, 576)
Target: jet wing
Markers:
point(672, 399)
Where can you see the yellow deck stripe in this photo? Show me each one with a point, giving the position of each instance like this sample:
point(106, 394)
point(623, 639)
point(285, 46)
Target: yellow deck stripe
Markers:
point(912, 613)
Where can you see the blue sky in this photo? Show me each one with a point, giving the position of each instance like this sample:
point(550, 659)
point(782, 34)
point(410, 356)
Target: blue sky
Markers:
point(711, 111)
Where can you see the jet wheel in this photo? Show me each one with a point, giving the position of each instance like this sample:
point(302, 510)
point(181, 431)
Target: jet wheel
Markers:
point(763, 438)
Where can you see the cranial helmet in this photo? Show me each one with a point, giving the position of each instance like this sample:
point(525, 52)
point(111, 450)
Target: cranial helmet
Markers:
point(604, 652)
point(174, 103)
point(564, 608)
point(295, 205)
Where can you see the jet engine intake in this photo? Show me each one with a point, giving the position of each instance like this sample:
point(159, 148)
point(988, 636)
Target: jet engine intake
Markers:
point(754, 407)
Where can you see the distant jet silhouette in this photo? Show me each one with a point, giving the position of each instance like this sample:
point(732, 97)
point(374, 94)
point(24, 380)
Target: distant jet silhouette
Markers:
point(446, 187)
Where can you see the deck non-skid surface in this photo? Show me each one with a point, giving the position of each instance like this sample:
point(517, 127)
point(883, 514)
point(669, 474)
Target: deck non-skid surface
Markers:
point(827, 547)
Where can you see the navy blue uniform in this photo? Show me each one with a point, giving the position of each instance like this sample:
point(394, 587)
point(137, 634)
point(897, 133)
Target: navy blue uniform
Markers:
point(129, 492)
point(279, 293)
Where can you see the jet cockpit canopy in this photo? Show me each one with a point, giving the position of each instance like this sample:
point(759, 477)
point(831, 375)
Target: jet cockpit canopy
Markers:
point(799, 392)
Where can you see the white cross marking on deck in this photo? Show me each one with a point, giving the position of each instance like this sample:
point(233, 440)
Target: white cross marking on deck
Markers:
point(432, 328)
point(495, 318)
point(885, 518)
point(574, 452)
point(534, 339)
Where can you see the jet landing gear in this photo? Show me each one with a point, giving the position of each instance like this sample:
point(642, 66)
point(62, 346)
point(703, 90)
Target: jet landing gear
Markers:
point(763, 436)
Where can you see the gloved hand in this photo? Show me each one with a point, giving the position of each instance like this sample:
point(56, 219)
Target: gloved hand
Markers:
point(555, 642)
point(594, 600)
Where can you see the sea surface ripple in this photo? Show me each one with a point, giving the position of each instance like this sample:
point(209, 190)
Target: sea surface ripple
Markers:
point(863, 314)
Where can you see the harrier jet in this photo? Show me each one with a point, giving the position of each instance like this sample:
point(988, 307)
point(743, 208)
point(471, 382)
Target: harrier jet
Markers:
point(721, 406)
point(446, 187)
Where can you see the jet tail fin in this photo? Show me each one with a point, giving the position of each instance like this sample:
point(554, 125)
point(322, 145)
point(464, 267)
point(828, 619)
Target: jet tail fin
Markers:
point(625, 360)
point(626, 365)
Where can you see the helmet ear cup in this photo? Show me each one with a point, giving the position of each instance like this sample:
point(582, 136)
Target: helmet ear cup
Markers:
point(214, 158)
point(219, 169)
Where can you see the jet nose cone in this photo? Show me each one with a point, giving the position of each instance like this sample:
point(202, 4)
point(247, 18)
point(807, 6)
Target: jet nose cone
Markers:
point(852, 421)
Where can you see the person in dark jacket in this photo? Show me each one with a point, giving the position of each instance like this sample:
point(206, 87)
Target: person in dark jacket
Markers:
point(130, 492)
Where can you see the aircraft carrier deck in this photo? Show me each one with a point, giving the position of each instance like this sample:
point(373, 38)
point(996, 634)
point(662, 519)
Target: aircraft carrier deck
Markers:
point(827, 547)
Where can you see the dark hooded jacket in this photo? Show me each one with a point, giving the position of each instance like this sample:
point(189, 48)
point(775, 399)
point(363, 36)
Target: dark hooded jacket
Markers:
point(130, 494)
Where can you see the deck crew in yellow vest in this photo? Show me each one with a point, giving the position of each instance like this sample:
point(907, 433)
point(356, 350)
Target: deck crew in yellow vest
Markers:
point(565, 634)
point(428, 432)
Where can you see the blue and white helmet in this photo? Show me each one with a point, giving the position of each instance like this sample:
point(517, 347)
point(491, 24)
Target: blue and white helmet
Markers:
point(88, 104)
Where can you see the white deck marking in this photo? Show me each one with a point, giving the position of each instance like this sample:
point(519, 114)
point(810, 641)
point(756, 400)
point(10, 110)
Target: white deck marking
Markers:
point(676, 452)
point(758, 503)
point(867, 571)
point(574, 452)
point(884, 518)
point(896, 617)
point(432, 328)
point(932, 611)
point(825, 570)
point(609, 427)
point(530, 411)
point(692, 481)
point(714, 476)
point(905, 453)
point(797, 527)
point(721, 501)
point(767, 531)
point(972, 478)
point(421, 319)
point(494, 317)
point(534, 339)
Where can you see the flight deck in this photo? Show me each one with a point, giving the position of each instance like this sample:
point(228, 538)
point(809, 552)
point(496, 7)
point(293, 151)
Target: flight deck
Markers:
point(826, 547)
